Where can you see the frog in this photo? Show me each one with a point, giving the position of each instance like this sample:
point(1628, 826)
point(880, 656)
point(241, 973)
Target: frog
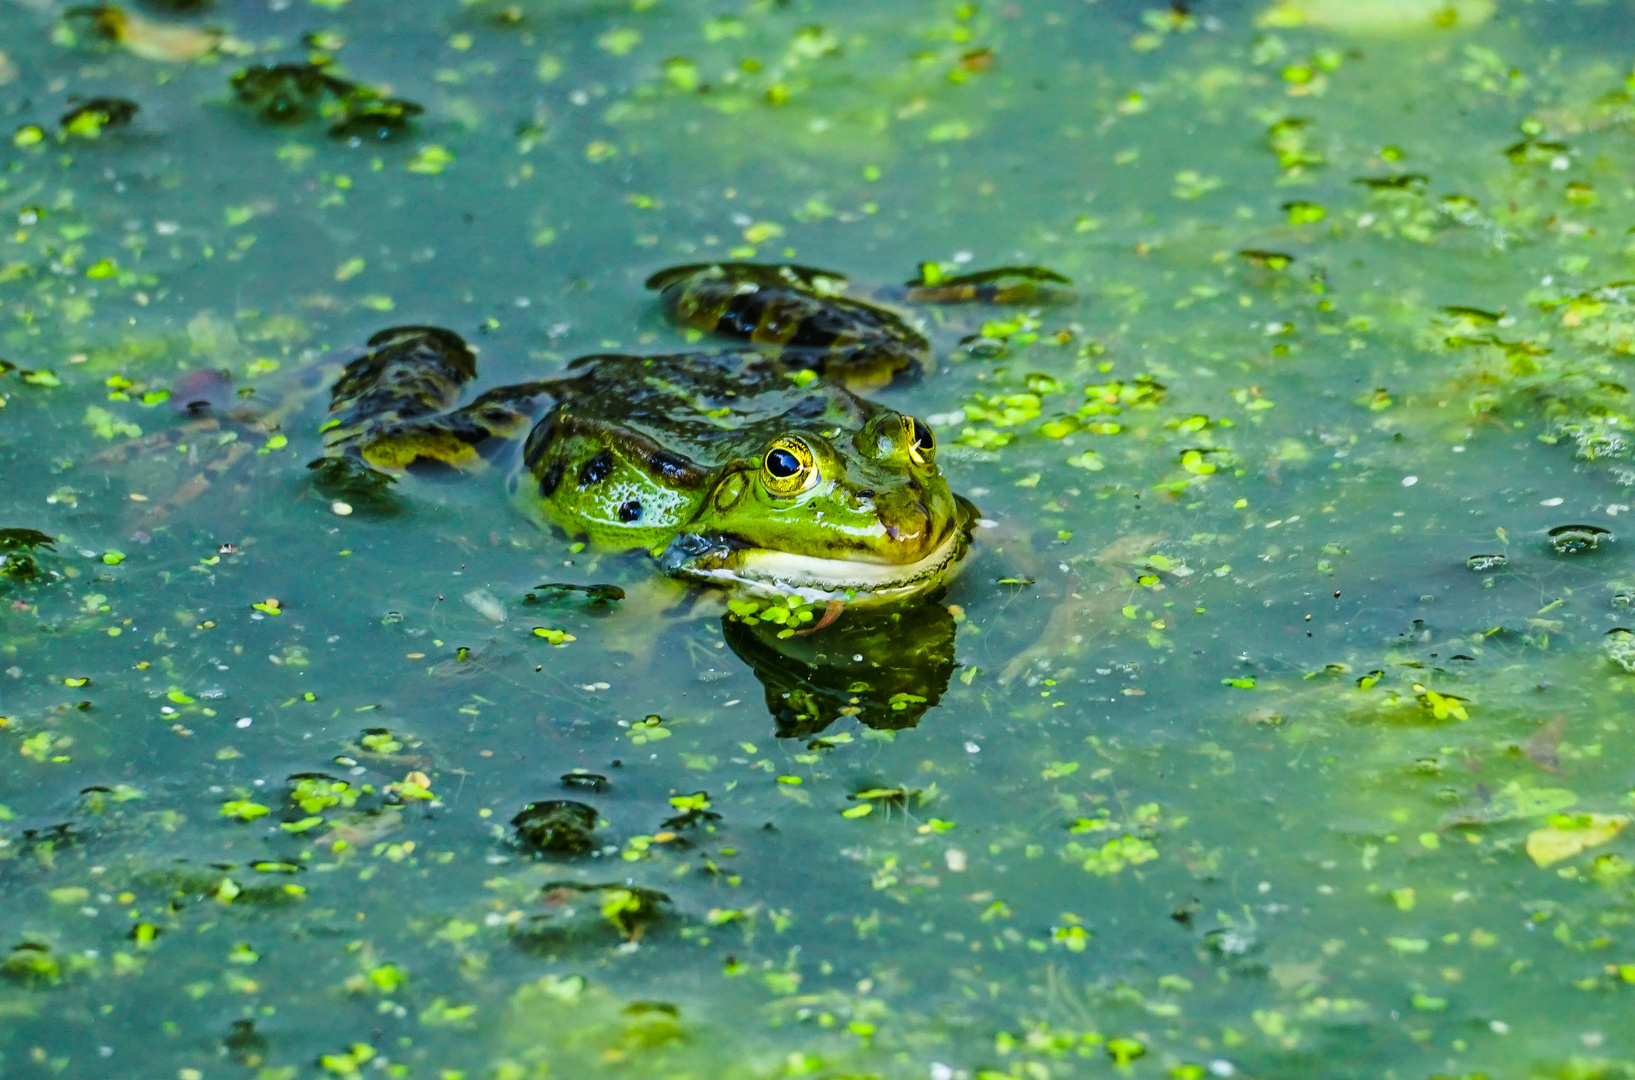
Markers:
point(728, 467)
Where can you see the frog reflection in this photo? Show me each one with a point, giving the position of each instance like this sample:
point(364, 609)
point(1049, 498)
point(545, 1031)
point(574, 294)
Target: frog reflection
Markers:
point(885, 666)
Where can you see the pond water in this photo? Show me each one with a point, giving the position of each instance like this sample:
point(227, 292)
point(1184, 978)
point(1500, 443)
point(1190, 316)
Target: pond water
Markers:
point(1274, 728)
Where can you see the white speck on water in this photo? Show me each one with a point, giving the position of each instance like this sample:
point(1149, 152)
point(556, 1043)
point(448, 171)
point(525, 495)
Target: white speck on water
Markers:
point(1459, 449)
point(939, 1071)
point(963, 257)
point(1409, 481)
point(344, 509)
point(1221, 1067)
point(1499, 1027)
point(972, 748)
point(1552, 502)
point(731, 703)
point(243, 722)
point(954, 859)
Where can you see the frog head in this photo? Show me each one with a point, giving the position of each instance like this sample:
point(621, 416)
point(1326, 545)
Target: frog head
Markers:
point(830, 513)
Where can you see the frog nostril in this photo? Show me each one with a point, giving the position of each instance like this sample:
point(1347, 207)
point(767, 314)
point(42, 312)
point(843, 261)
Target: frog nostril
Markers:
point(866, 493)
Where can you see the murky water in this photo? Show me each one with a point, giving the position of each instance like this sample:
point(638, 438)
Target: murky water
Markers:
point(1269, 731)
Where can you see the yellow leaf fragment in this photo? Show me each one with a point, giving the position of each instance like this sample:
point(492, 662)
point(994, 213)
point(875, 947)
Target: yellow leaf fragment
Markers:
point(1568, 834)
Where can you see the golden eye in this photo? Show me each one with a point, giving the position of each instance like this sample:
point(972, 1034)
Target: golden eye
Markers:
point(922, 445)
point(788, 468)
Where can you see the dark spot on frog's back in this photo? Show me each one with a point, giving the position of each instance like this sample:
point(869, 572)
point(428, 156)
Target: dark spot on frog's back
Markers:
point(551, 480)
point(671, 468)
point(596, 470)
point(630, 510)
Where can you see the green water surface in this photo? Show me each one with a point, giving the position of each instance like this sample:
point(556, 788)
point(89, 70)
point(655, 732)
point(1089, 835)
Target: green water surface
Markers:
point(1239, 767)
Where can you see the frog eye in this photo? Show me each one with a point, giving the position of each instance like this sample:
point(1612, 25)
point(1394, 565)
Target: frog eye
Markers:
point(922, 445)
point(788, 468)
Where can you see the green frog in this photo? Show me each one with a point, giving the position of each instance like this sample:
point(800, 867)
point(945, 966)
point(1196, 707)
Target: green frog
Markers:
point(729, 467)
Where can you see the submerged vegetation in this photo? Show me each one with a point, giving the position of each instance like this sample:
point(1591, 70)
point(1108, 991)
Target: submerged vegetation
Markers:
point(1276, 725)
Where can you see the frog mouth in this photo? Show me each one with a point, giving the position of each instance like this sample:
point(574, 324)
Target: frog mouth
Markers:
point(814, 578)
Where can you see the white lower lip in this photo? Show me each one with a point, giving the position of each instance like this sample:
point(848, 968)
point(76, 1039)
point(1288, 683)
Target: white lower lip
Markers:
point(784, 574)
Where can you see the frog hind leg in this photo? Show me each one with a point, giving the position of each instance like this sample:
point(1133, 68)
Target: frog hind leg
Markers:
point(464, 439)
point(390, 409)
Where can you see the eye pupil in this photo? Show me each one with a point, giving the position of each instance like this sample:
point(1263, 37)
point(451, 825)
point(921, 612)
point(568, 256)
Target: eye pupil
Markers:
point(782, 464)
point(923, 439)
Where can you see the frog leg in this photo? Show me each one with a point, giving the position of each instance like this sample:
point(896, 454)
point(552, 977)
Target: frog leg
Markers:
point(654, 608)
point(1088, 612)
point(462, 439)
point(394, 405)
point(831, 612)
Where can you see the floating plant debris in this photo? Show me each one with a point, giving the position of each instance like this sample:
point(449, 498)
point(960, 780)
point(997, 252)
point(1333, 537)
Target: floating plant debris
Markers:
point(89, 118)
point(1000, 285)
point(1578, 539)
point(557, 827)
point(292, 93)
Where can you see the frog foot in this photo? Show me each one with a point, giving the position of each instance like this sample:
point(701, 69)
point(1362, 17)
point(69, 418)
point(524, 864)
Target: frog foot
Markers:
point(650, 610)
point(1088, 612)
point(831, 612)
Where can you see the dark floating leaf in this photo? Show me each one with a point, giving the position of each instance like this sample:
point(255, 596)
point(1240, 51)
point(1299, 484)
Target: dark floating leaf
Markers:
point(1533, 151)
point(596, 594)
point(380, 117)
point(286, 93)
point(695, 812)
point(25, 540)
point(244, 1045)
point(1272, 260)
point(32, 963)
point(577, 909)
point(1401, 182)
point(293, 93)
point(1459, 311)
point(99, 113)
point(1578, 539)
point(588, 780)
point(932, 286)
point(557, 827)
point(1483, 564)
point(16, 560)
